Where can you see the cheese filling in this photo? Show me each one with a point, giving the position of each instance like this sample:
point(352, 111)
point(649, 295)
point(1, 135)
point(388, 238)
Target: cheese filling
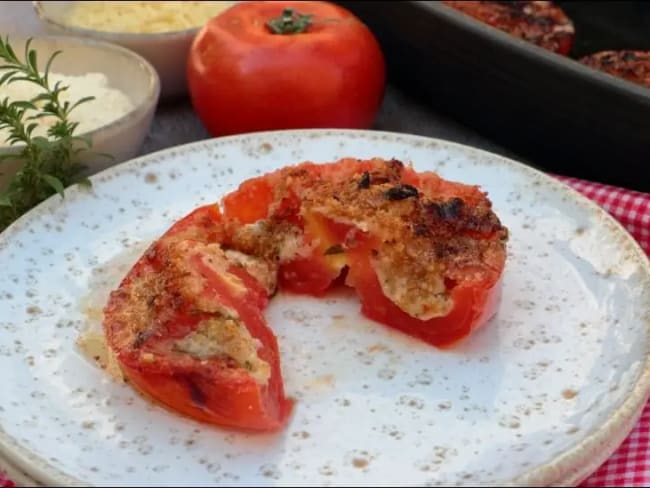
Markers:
point(422, 295)
point(226, 336)
point(262, 270)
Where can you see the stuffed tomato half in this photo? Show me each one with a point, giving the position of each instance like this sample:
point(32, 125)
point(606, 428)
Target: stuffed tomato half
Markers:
point(187, 327)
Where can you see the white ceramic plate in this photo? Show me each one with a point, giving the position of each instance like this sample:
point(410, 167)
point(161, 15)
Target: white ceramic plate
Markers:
point(541, 395)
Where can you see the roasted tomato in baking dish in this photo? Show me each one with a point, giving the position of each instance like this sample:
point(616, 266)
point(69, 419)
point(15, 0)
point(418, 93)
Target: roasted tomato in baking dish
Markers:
point(632, 66)
point(187, 329)
point(541, 23)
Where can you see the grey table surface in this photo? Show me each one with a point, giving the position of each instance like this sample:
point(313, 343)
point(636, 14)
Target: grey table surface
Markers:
point(175, 123)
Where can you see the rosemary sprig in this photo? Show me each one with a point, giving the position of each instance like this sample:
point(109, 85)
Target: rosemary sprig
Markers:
point(47, 164)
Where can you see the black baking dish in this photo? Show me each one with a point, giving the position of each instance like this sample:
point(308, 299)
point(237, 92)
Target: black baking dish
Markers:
point(549, 109)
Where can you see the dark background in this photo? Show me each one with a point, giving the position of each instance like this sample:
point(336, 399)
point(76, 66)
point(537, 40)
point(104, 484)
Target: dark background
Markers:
point(609, 25)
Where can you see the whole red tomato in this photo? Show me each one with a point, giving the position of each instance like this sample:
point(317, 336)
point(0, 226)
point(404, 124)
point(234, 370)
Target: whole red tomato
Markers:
point(285, 65)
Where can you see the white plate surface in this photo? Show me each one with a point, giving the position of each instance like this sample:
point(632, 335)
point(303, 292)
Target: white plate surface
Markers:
point(541, 395)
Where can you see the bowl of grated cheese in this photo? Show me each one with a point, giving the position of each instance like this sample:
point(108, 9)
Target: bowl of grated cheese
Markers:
point(162, 32)
point(125, 88)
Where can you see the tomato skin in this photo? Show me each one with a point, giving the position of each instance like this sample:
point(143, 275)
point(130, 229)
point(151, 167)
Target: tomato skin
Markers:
point(233, 402)
point(474, 303)
point(206, 390)
point(205, 220)
point(309, 276)
point(243, 78)
point(250, 202)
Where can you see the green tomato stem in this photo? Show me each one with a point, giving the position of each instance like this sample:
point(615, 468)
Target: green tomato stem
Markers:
point(289, 22)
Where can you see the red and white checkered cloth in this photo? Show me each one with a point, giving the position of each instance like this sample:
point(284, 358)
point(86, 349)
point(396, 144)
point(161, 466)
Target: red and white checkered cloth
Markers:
point(4, 481)
point(630, 465)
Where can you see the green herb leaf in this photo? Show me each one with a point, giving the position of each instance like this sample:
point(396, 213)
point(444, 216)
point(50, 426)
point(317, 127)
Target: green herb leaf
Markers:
point(31, 127)
point(11, 55)
point(6, 76)
point(31, 56)
point(41, 142)
point(47, 66)
point(24, 105)
point(335, 249)
point(38, 116)
point(80, 101)
point(85, 183)
point(55, 183)
point(47, 164)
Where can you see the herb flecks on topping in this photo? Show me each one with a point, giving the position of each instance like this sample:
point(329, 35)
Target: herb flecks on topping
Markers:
point(336, 249)
point(401, 192)
point(364, 181)
point(449, 209)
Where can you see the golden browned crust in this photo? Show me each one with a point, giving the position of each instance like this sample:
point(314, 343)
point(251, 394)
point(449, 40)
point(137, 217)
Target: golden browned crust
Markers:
point(150, 299)
point(427, 235)
point(454, 231)
point(428, 239)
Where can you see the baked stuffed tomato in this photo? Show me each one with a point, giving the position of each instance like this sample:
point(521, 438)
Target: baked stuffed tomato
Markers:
point(425, 256)
point(186, 328)
point(538, 22)
point(632, 66)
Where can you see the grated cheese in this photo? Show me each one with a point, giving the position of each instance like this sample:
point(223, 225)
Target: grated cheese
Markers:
point(226, 336)
point(143, 17)
point(109, 104)
point(421, 294)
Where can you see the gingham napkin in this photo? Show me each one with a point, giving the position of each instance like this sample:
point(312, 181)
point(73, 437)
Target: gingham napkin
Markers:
point(630, 465)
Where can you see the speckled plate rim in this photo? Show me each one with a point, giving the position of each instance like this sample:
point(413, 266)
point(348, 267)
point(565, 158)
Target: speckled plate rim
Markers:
point(567, 469)
point(16, 475)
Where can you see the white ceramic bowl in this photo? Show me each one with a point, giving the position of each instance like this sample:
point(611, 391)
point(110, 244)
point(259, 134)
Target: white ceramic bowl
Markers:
point(125, 70)
point(166, 51)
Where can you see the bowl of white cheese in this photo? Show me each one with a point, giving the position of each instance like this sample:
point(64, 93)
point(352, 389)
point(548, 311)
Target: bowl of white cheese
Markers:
point(125, 90)
point(162, 32)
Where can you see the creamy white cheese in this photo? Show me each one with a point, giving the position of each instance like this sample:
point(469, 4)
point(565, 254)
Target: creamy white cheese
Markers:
point(109, 104)
point(226, 336)
point(422, 298)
